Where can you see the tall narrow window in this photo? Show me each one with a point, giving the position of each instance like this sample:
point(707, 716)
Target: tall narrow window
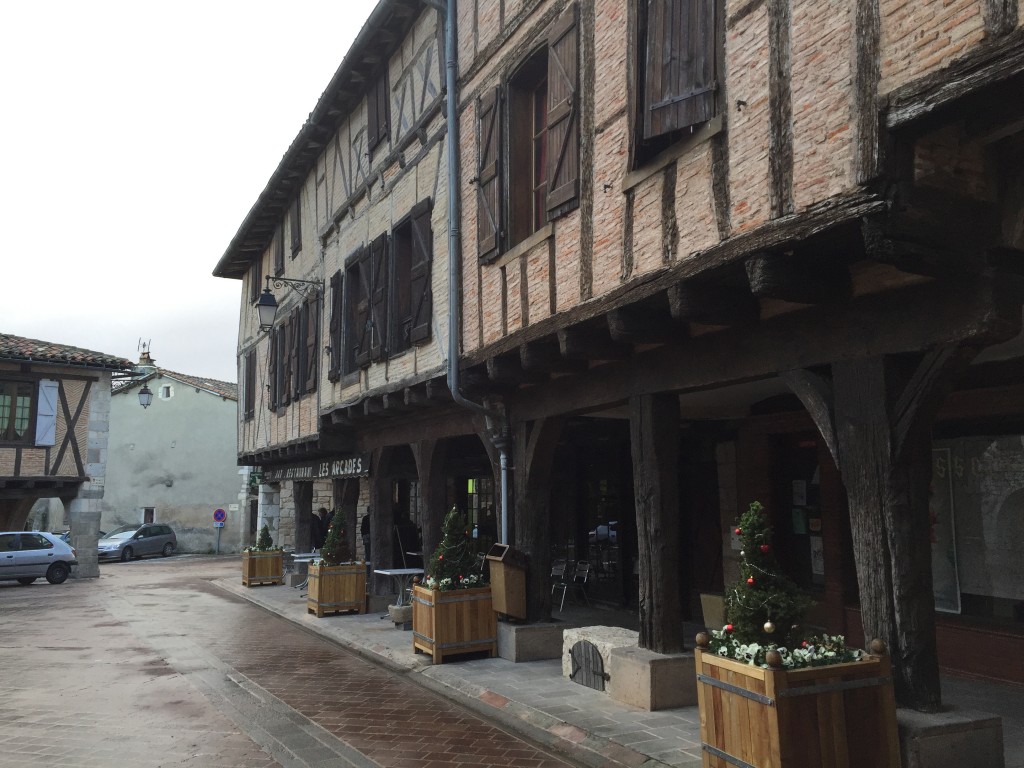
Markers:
point(255, 278)
point(337, 325)
point(527, 139)
point(16, 411)
point(357, 312)
point(279, 252)
point(377, 112)
point(249, 402)
point(295, 224)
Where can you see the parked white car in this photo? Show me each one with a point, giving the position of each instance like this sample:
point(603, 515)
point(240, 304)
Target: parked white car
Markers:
point(29, 555)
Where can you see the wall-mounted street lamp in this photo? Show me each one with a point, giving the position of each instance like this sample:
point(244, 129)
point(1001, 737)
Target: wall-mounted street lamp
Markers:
point(145, 397)
point(266, 306)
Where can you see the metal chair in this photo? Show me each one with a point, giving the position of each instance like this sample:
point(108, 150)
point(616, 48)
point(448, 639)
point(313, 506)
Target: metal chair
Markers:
point(560, 579)
point(579, 580)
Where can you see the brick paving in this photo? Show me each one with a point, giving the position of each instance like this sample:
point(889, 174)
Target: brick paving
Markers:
point(150, 666)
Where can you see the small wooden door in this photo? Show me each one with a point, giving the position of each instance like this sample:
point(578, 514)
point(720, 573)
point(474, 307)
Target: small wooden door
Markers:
point(587, 665)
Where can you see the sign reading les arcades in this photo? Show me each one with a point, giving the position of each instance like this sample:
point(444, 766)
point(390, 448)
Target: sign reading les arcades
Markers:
point(354, 466)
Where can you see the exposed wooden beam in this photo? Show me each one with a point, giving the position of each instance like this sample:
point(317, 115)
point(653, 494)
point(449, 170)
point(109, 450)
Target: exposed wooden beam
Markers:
point(709, 303)
point(545, 355)
point(508, 370)
point(643, 324)
point(588, 344)
point(798, 278)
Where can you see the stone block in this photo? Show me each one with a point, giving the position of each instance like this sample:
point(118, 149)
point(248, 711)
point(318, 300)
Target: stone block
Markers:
point(603, 638)
point(294, 579)
point(953, 739)
point(529, 642)
point(650, 680)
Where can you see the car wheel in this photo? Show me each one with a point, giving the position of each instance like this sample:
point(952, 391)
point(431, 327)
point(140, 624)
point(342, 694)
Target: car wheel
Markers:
point(26, 580)
point(126, 554)
point(168, 549)
point(57, 573)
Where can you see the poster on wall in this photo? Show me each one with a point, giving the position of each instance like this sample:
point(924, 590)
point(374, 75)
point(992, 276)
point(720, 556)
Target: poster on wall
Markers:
point(945, 579)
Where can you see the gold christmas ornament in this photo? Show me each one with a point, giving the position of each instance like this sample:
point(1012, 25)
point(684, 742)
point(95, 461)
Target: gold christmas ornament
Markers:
point(769, 627)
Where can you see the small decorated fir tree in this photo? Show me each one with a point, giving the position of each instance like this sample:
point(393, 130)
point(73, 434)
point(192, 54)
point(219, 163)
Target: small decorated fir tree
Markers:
point(765, 606)
point(453, 562)
point(264, 543)
point(335, 549)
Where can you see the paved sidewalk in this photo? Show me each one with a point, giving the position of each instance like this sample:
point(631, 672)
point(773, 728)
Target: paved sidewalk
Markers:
point(536, 700)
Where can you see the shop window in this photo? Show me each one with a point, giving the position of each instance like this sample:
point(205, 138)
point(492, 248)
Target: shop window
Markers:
point(481, 513)
point(528, 143)
point(677, 70)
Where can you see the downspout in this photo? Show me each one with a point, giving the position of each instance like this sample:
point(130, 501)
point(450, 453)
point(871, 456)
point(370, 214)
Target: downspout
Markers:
point(495, 421)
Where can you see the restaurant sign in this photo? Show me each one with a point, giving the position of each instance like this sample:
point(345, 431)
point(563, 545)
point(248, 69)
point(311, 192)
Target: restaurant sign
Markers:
point(354, 466)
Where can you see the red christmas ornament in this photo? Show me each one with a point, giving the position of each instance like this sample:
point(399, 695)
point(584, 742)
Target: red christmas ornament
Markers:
point(750, 580)
point(728, 627)
point(804, 643)
point(440, 557)
point(765, 547)
point(739, 531)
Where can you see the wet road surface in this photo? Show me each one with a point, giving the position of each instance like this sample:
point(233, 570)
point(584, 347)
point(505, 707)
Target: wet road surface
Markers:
point(150, 665)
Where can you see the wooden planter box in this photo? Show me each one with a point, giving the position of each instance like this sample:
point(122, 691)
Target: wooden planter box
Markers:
point(838, 716)
point(452, 622)
point(336, 588)
point(262, 568)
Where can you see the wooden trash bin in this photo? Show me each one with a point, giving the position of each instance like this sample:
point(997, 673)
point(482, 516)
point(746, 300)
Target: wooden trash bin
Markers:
point(508, 580)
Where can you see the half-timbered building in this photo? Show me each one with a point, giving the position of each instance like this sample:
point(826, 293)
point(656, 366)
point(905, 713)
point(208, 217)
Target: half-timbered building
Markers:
point(718, 252)
point(706, 253)
point(54, 426)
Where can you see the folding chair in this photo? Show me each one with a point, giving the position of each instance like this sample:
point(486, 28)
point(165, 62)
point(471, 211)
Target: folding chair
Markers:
point(579, 580)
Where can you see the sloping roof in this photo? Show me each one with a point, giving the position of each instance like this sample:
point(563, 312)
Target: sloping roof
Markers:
point(36, 351)
point(379, 34)
point(226, 389)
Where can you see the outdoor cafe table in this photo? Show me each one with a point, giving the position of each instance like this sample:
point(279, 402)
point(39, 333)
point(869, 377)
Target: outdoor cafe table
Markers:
point(402, 577)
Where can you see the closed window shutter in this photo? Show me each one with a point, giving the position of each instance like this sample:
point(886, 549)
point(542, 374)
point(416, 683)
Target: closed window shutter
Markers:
point(488, 175)
point(378, 297)
point(422, 255)
point(46, 413)
point(272, 371)
point(279, 253)
point(286, 361)
point(377, 108)
point(679, 86)
point(312, 323)
point(363, 317)
point(255, 277)
point(298, 355)
point(282, 356)
point(250, 384)
point(335, 326)
point(295, 225)
point(563, 137)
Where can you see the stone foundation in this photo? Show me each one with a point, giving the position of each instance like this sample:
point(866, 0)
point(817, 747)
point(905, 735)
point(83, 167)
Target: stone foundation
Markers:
point(604, 638)
point(529, 642)
point(954, 739)
point(652, 681)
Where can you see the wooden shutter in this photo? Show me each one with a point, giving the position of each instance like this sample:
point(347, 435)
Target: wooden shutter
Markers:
point(279, 252)
point(285, 347)
point(255, 277)
point(422, 256)
point(377, 112)
point(378, 297)
point(250, 384)
point(563, 137)
point(272, 370)
point(680, 86)
point(361, 311)
point(298, 352)
point(335, 325)
point(46, 413)
point(488, 175)
point(312, 327)
point(295, 225)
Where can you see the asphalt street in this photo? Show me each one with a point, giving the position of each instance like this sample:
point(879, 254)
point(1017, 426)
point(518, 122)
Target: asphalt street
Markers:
point(150, 665)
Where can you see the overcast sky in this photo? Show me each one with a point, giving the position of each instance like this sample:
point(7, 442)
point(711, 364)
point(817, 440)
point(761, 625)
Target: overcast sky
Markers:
point(135, 136)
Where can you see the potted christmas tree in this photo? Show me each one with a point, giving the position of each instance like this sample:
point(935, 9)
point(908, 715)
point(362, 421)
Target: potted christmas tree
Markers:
point(452, 611)
point(336, 583)
point(803, 702)
point(263, 563)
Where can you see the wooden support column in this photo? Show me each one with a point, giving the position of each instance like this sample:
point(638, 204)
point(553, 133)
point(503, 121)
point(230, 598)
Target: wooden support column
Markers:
point(535, 444)
point(654, 438)
point(431, 456)
point(876, 416)
point(380, 518)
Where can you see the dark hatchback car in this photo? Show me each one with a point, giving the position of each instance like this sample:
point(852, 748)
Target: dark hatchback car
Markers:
point(134, 541)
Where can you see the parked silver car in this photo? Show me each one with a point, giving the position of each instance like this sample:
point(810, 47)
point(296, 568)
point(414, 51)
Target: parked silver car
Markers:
point(135, 541)
point(29, 555)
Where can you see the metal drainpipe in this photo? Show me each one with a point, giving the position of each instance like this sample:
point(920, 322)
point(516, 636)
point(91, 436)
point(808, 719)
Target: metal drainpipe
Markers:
point(498, 438)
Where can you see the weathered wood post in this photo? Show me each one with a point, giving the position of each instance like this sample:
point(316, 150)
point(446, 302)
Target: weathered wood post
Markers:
point(431, 456)
point(654, 437)
point(535, 444)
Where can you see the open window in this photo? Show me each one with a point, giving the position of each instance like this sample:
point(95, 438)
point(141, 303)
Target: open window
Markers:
point(528, 143)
